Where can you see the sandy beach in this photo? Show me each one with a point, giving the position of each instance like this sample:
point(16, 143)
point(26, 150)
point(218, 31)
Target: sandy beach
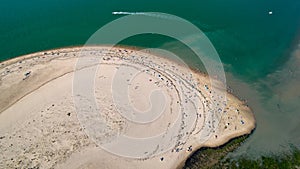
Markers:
point(41, 126)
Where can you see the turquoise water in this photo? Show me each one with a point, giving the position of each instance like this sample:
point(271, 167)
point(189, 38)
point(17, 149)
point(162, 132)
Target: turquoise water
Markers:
point(245, 36)
point(256, 47)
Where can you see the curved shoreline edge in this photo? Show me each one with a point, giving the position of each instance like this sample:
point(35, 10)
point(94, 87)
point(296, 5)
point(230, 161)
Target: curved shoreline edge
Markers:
point(78, 48)
point(53, 53)
point(233, 144)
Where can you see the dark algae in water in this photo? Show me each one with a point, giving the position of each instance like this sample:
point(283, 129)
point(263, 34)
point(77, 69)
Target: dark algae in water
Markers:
point(216, 158)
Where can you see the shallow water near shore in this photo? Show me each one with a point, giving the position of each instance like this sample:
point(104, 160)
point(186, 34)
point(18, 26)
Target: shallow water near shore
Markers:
point(258, 49)
point(275, 102)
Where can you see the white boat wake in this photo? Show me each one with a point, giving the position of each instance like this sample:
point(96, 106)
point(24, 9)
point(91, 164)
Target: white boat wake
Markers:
point(151, 14)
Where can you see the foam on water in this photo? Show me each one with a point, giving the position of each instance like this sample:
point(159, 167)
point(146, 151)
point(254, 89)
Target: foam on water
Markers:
point(151, 14)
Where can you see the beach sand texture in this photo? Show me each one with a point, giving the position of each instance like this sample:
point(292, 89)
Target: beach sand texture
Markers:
point(39, 125)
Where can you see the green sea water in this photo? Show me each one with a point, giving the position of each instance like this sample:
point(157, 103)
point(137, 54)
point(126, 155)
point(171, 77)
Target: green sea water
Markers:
point(245, 36)
point(255, 47)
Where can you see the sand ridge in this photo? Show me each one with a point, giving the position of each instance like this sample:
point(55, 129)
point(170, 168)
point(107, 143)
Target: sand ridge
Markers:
point(39, 124)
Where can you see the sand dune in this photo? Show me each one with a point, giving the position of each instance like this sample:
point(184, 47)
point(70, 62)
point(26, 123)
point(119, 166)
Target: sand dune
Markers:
point(150, 112)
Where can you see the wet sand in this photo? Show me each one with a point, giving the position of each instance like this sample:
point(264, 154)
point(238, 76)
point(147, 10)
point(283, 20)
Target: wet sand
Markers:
point(39, 125)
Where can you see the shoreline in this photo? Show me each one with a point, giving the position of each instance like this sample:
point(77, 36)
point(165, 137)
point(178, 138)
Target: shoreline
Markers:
point(221, 148)
point(79, 49)
point(59, 61)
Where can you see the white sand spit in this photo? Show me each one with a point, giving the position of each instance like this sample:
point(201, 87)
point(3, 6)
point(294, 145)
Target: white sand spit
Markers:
point(153, 111)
